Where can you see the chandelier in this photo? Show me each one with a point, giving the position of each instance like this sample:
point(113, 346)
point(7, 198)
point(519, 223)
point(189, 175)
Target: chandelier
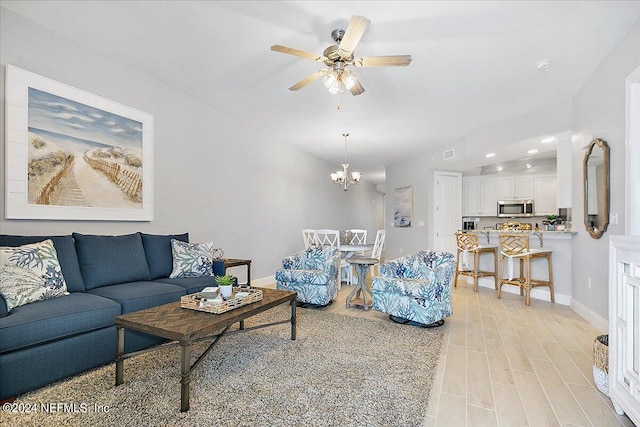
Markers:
point(343, 177)
point(339, 79)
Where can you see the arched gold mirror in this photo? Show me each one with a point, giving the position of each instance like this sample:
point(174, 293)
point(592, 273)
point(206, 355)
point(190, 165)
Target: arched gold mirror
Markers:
point(596, 188)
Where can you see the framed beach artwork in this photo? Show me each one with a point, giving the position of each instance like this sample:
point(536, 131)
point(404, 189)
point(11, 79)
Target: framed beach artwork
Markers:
point(402, 206)
point(72, 155)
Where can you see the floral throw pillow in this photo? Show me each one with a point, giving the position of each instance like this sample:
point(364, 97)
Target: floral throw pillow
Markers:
point(30, 273)
point(191, 259)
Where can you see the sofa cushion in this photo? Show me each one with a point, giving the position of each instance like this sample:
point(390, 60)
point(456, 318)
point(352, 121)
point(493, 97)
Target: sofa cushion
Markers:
point(66, 250)
point(136, 296)
point(30, 273)
point(190, 284)
point(157, 249)
point(107, 260)
point(53, 319)
point(192, 259)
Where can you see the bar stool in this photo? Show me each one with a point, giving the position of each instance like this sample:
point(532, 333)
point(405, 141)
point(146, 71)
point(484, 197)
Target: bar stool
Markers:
point(516, 246)
point(468, 243)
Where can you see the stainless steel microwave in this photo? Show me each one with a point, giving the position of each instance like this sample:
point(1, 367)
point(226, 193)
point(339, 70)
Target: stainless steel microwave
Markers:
point(515, 208)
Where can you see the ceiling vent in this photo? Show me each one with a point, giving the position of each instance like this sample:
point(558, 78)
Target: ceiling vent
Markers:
point(449, 154)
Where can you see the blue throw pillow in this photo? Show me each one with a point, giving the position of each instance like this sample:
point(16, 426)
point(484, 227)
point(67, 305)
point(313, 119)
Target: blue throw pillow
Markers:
point(157, 249)
point(109, 260)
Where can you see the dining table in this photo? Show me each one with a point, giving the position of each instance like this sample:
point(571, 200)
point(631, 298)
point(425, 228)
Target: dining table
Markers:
point(350, 250)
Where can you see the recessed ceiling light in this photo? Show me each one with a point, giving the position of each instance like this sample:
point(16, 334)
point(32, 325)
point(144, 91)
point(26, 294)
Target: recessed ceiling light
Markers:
point(548, 140)
point(499, 168)
point(532, 151)
point(490, 155)
point(528, 165)
point(543, 65)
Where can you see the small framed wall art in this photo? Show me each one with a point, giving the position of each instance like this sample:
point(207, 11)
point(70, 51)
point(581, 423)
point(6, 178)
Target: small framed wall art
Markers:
point(402, 206)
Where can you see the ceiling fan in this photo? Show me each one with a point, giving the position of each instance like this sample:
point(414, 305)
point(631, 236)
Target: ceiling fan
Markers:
point(339, 59)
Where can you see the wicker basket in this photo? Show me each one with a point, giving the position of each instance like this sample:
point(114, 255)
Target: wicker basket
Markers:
point(195, 301)
point(601, 363)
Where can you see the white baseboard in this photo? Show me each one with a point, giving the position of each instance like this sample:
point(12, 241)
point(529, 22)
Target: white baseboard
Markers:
point(264, 282)
point(590, 316)
point(541, 294)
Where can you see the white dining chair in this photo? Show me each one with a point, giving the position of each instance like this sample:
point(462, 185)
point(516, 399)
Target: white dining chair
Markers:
point(328, 237)
point(358, 237)
point(376, 252)
point(309, 237)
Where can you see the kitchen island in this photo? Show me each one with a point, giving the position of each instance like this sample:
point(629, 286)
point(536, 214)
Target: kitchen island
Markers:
point(557, 241)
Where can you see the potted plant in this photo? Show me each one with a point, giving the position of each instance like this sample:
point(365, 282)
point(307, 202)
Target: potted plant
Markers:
point(551, 222)
point(225, 284)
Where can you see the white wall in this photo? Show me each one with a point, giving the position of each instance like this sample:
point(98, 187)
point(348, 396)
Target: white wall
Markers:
point(599, 110)
point(215, 177)
point(403, 240)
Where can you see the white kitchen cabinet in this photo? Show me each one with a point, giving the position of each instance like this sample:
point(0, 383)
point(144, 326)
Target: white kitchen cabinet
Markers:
point(515, 187)
point(480, 195)
point(471, 196)
point(489, 193)
point(545, 195)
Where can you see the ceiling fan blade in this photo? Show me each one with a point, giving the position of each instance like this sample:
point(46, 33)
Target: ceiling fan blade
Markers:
point(383, 61)
point(311, 78)
point(298, 52)
point(357, 89)
point(357, 26)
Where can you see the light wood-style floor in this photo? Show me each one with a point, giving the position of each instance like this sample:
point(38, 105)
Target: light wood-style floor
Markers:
point(506, 364)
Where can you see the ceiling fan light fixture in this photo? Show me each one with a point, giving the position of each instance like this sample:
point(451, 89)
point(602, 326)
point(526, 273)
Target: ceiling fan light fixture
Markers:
point(340, 55)
point(349, 80)
point(336, 87)
point(330, 79)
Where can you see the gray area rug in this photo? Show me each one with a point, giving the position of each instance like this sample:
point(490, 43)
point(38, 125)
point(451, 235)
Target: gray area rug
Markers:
point(341, 371)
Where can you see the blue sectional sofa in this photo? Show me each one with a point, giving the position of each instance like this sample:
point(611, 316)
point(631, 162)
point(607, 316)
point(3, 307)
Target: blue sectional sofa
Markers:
point(45, 341)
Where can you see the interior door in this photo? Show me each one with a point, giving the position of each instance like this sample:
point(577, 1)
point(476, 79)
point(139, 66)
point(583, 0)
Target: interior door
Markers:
point(447, 210)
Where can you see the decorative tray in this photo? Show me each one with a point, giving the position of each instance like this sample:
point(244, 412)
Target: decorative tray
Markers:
point(238, 299)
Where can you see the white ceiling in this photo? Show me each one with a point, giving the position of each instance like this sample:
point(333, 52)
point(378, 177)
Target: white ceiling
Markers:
point(473, 69)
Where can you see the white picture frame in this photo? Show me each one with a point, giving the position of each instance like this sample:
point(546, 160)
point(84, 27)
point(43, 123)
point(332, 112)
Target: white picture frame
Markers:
point(87, 129)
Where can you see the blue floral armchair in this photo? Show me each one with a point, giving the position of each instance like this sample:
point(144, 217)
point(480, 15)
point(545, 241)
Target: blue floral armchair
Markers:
point(312, 273)
point(416, 288)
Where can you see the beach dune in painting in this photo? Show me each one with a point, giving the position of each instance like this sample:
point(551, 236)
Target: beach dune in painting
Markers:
point(82, 156)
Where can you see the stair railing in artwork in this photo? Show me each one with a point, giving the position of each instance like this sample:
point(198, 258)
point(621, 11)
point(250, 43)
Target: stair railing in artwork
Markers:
point(128, 181)
point(44, 198)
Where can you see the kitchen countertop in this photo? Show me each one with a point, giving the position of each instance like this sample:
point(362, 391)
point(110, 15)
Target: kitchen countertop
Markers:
point(551, 235)
point(526, 231)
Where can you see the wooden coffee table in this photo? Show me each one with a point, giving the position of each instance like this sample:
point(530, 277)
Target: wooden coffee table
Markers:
point(185, 327)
